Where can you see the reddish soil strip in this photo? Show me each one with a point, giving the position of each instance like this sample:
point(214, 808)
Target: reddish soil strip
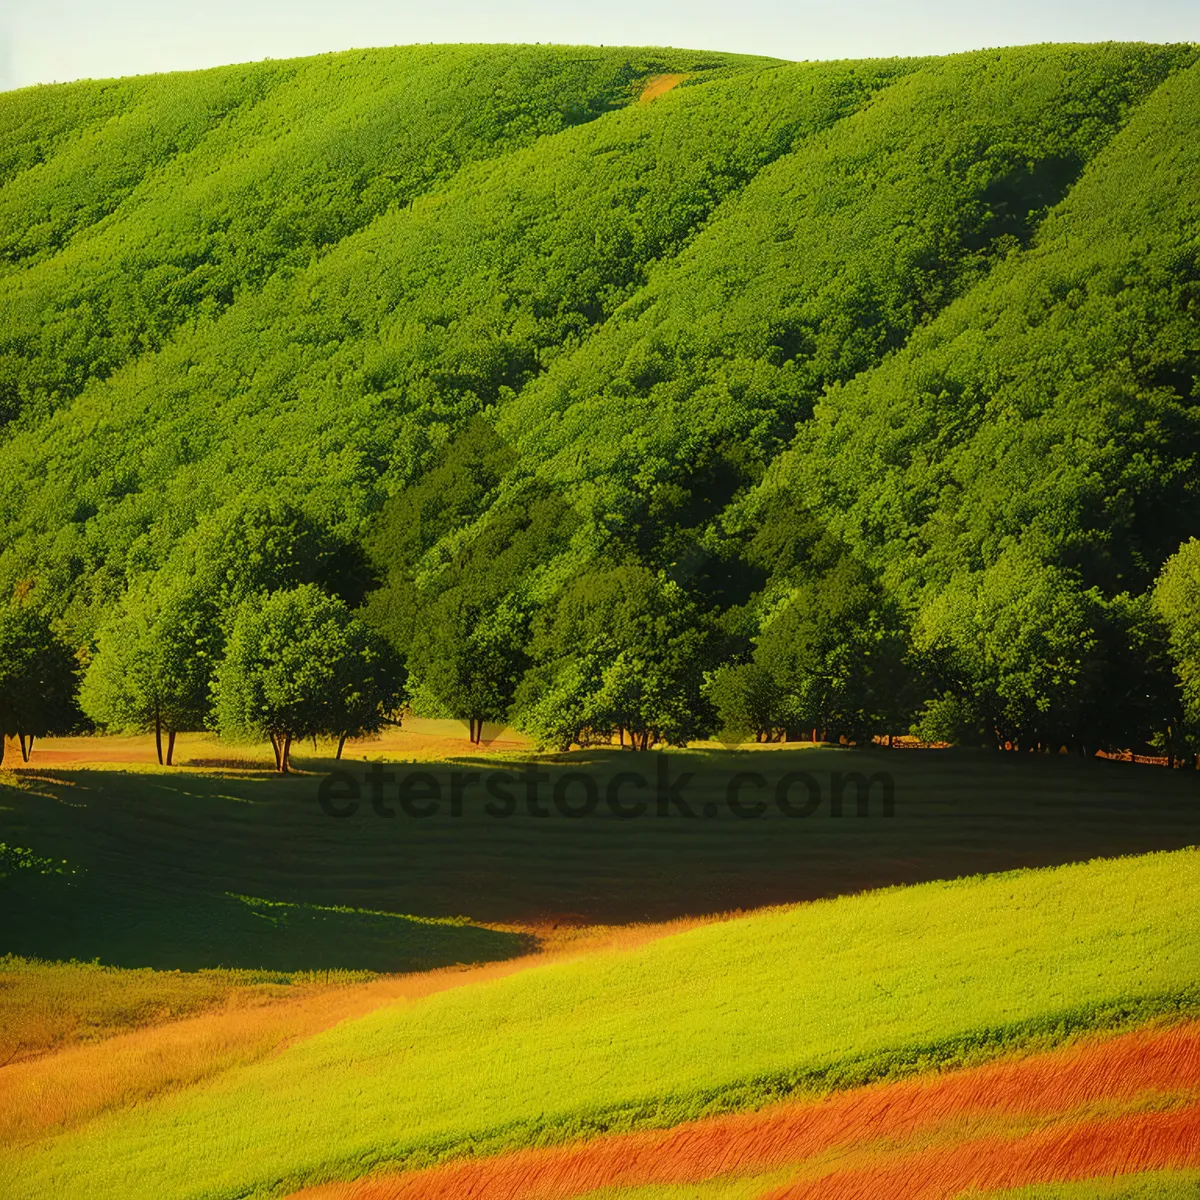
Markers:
point(1140, 1142)
point(1115, 1069)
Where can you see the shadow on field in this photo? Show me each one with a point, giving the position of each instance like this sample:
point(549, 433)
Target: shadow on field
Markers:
point(188, 868)
point(144, 924)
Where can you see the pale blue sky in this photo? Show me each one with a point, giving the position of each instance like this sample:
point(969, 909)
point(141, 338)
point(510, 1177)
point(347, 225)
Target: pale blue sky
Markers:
point(43, 41)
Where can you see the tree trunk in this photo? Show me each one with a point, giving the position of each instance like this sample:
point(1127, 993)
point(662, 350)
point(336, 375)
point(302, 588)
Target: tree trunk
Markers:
point(158, 734)
point(621, 736)
point(814, 737)
point(170, 747)
point(889, 741)
point(286, 755)
point(275, 746)
point(341, 744)
point(24, 751)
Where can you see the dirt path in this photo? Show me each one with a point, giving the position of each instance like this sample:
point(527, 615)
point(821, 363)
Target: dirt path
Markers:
point(63, 1088)
point(1032, 1117)
point(657, 85)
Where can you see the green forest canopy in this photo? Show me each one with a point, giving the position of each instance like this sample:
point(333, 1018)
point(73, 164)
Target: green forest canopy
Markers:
point(848, 397)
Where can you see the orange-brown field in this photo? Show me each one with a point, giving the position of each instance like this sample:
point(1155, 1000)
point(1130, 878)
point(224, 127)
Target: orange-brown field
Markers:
point(1098, 1107)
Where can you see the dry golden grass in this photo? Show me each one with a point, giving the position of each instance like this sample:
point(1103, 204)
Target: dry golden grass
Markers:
point(417, 738)
point(60, 1090)
point(658, 85)
point(49, 1006)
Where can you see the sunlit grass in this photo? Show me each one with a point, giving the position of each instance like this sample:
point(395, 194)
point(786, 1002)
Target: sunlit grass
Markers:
point(724, 1016)
point(1151, 1185)
point(45, 1006)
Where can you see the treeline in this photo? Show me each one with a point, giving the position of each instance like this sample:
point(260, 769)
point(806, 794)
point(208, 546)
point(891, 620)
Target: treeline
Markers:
point(246, 646)
point(856, 398)
point(248, 640)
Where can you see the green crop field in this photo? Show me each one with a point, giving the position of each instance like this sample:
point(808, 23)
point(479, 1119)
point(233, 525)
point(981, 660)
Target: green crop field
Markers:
point(724, 1016)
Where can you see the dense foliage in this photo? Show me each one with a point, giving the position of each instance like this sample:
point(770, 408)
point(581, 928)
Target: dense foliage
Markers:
point(38, 679)
point(297, 664)
point(802, 400)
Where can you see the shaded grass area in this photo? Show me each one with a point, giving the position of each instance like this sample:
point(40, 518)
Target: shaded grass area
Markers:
point(131, 922)
point(189, 869)
point(44, 1006)
point(725, 1015)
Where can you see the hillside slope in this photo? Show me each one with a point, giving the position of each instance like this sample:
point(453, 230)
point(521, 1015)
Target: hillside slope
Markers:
point(789, 350)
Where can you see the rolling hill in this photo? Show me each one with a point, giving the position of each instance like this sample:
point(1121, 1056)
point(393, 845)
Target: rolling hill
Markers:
point(864, 391)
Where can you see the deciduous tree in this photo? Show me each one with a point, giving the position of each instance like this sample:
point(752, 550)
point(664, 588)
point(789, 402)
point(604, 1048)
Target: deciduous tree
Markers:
point(298, 664)
point(38, 679)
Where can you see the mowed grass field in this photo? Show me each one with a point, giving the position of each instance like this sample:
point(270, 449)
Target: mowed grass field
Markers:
point(296, 1064)
point(191, 868)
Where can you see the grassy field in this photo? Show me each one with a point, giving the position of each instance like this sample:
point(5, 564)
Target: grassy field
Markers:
point(746, 1188)
point(45, 1006)
point(1105, 1104)
point(725, 1016)
point(195, 867)
point(1157, 1185)
point(1153, 1185)
point(251, 1060)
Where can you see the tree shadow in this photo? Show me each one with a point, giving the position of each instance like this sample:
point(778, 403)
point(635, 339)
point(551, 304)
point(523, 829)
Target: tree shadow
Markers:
point(57, 918)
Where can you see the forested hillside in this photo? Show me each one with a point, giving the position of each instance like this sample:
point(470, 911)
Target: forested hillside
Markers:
point(832, 398)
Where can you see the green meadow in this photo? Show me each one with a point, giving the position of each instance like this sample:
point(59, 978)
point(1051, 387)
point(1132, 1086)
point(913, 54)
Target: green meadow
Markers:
point(724, 1016)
